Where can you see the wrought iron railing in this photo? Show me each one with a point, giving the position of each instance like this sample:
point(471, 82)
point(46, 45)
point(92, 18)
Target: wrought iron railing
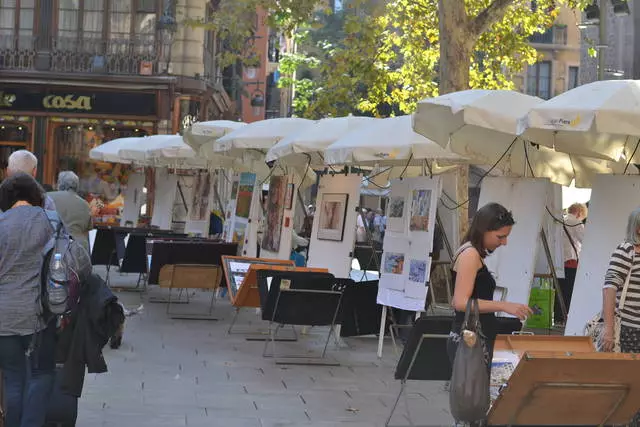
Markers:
point(134, 56)
point(17, 53)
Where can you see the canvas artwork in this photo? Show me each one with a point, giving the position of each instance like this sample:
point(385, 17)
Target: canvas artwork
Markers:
point(333, 212)
point(418, 271)
point(245, 194)
point(275, 213)
point(239, 232)
point(420, 206)
point(200, 198)
point(396, 207)
point(393, 263)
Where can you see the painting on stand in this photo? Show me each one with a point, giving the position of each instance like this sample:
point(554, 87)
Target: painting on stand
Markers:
point(274, 214)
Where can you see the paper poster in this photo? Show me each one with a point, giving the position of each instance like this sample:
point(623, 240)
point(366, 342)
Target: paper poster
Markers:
point(275, 213)
point(398, 207)
point(199, 210)
point(408, 242)
point(420, 210)
point(393, 268)
point(239, 232)
point(244, 193)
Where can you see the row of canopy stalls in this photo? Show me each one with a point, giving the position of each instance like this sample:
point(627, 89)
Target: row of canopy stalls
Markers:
point(169, 187)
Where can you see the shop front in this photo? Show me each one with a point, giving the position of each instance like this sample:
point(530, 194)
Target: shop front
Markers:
point(61, 126)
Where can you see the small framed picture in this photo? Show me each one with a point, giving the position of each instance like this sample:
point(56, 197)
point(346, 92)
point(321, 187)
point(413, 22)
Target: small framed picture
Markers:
point(333, 212)
point(288, 200)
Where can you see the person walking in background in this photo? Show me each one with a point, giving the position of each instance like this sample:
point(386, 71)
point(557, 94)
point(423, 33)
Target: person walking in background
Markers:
point(27, 341)
point(24, 161)
point(73, 209)
point(572, 245)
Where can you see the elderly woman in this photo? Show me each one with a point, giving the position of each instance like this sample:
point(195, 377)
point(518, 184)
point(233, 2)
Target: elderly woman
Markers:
point(623, 280)
point(25, 337)
point(73, 209)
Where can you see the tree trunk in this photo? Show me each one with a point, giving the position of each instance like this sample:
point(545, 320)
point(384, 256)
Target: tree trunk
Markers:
point(456, 45)
point(455, 60)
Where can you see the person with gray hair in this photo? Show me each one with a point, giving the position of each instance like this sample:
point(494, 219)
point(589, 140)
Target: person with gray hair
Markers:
point(73, 209)
point(622, 291)
point(25, 161)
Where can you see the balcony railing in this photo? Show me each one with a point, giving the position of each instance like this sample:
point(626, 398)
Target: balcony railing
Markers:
point(136, 56)
point(555, 35)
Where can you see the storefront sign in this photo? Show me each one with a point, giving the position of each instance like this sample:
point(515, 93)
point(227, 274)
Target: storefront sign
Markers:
point(35, 99)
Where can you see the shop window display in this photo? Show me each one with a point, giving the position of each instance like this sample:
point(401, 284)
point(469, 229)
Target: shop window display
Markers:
point(13, 136)
point(102, 184)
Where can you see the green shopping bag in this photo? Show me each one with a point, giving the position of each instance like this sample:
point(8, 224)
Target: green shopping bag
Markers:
point(541, 302)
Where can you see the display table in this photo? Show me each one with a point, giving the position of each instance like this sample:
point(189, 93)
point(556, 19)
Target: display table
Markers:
point(186, 251)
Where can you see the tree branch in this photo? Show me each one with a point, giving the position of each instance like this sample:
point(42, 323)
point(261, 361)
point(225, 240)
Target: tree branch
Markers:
point(493, 13)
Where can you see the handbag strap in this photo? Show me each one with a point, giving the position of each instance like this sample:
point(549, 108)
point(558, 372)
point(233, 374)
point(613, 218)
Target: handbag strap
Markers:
point(472, 306)
point(625, 288)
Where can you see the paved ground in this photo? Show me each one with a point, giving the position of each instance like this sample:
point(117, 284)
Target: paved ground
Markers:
point(191, 373)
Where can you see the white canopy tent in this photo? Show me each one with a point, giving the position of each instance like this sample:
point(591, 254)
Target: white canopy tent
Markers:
point(599, 119)
point(307, 145)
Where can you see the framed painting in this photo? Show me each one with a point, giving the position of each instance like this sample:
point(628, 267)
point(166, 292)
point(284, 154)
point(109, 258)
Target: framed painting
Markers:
point(333, 214)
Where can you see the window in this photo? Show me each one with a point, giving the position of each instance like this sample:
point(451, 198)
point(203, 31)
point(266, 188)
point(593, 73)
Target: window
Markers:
point(92, 19)
point(120, 19)
point(573, 77)
point(539, 79)
point(16, 19)
point(7, 19)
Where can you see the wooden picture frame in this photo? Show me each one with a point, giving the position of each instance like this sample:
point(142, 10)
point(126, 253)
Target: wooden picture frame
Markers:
point(332, 216)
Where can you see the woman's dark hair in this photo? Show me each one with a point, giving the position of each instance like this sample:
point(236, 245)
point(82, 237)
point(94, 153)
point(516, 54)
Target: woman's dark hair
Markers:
point(20, 187)
point(490, 217)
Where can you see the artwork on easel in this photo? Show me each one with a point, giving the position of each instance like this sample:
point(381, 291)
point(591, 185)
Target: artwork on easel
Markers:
point(244, 193)
point(332, 216)
point(420, 207)
point(275, 213)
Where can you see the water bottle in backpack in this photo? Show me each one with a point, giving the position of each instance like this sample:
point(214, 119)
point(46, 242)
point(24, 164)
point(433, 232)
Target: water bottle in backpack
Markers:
point(58, 286)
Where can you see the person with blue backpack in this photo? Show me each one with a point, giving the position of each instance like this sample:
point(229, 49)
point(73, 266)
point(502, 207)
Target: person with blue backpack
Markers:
point(27, 337)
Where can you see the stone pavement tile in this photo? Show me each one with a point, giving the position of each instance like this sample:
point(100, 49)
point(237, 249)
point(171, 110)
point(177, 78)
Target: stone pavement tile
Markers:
point(215, 421)
point(237, 402)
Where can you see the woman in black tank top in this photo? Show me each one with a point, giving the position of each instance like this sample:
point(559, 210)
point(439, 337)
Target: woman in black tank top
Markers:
point(489, 230)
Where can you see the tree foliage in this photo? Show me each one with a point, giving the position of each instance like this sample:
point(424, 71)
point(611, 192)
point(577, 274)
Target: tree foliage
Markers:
point(387, 63)
point(381, 62)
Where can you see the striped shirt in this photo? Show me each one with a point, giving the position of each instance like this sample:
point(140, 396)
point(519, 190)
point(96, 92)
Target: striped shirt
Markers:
point(622, 262)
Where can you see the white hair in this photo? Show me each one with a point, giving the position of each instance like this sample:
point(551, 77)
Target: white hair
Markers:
point(68, 181)
point(22, 161)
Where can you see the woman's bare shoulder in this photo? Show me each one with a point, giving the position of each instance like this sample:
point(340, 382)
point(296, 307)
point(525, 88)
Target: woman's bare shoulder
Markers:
point(468, 255)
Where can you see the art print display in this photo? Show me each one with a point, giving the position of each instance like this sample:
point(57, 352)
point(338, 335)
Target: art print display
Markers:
point(332, 216)
point(234, 190)
point(244, 194)
point(418, 271)
point(200, 197)
point(396, 207)
point(275, 213)
point(393, 263)
point(239, 232)
point(420, 207)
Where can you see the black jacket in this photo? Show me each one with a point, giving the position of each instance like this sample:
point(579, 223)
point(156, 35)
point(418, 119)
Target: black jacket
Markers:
point(93, 321)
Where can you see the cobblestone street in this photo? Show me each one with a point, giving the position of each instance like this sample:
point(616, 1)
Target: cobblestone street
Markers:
point(191, 373)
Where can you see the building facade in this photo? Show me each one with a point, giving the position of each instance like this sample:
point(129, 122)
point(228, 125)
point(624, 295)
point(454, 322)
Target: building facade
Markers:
point(558, 68)
point(77, 73)
point(622, 44)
